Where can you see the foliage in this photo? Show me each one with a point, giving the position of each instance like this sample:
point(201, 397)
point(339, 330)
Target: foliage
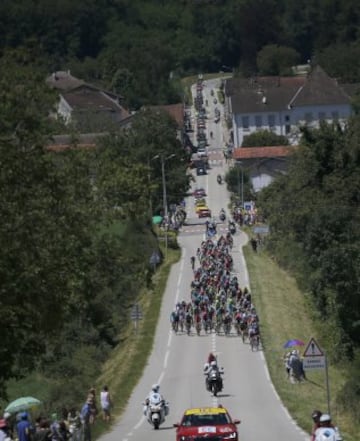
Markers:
point(138, 47)
point(65, 269)
point(313, 212)
point(238, 182)
point(264, 138)
point(276, 60)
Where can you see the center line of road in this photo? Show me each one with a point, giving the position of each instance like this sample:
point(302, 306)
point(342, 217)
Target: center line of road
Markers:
point(166, 359)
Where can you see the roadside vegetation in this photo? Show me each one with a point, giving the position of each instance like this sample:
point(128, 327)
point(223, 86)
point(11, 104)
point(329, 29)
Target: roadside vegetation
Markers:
point(286, 313)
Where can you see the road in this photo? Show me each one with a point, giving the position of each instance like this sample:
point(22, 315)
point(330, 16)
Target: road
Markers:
point(176, 361)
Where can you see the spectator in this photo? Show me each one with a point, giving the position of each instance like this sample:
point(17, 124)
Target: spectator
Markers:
point(105, 401)
point(85, 416)
point(74, 422)
point(43, 433)
point(24, 428)
point(92, 398)
point(4, 431)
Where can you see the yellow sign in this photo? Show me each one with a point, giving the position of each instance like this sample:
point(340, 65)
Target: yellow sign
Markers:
point(205, 411)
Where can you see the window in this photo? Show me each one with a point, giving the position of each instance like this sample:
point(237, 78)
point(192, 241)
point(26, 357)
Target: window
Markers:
point(287, 129)
point(271, 121)
point(335, 115)
point(245, 122)
point(287, 118)
point(308, 117)
point(258, 121)
point(322, 116)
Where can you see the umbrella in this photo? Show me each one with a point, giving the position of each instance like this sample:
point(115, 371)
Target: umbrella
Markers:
point(23, 403)
point(157, 219)
point(294, 342)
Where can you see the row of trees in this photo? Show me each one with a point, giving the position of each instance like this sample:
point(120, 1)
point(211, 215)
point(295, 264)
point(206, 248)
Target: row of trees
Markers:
point(139, 48)
point(314, 216)
point(75, 235)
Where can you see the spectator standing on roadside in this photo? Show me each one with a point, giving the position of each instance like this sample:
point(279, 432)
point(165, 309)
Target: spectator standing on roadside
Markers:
point(105, 401)
point(24, 428)
point(92, 398)
point(4, 431)
point(74, 422)
point(85, 416)
point(43, 433)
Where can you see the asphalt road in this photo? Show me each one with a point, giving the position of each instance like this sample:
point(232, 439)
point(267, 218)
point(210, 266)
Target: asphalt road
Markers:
point(177, 361)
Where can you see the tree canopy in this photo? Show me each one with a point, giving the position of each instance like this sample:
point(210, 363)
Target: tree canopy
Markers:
point(140, 49)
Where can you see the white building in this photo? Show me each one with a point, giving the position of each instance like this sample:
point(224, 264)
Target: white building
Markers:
point(283, 104)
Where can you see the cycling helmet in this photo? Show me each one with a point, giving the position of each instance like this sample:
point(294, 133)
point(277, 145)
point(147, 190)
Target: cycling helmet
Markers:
point(155, 388)
point(213, 363)
point(316, 415)
point(325, 418)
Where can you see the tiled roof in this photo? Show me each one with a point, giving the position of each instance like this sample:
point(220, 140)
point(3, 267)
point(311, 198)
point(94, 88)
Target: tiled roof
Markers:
point(264, 93)
point(262, 152)
point(88, 98)
point(267, 94)
point(320, 89)
point(176, 111)
point(63, 81)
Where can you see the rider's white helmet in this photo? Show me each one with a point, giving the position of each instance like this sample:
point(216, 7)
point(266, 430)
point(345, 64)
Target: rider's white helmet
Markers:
point(213, 363)
point(155, 388)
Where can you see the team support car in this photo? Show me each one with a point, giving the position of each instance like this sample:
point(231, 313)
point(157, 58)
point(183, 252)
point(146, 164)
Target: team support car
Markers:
point(199, 193)
point(208, 423)
point(203, 212)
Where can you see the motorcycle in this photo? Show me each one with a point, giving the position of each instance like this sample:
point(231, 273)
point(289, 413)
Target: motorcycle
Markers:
point(222, 216)
point(232, 228)
point(155, 410)
point(214, 382)
point(219, 179)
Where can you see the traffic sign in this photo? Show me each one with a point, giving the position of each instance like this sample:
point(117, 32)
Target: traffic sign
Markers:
point(136, 313)
point(317, 362)
point(313, 349)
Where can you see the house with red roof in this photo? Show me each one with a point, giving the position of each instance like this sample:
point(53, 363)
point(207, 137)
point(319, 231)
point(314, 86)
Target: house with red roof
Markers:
point(284, 104)
point(262, 164)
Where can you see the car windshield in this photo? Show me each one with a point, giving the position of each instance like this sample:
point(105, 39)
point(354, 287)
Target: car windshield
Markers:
point(206, 419)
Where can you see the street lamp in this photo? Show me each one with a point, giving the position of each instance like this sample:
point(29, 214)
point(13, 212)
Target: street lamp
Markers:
point(165, 207)
point(240, 189)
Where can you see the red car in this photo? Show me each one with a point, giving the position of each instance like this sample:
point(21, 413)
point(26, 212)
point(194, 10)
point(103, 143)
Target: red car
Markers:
point(199, 193)
point(208, 423)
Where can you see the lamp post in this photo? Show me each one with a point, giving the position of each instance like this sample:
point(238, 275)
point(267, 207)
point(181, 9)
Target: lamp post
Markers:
point(240, 188)
point(165, 207)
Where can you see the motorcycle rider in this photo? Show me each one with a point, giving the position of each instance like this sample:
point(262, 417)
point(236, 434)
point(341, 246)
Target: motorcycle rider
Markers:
point(214, 368)
point(327, 431)
point(155, 397)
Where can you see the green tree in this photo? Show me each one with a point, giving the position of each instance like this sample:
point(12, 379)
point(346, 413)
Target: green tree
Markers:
point(264, 138)
point(276, 60)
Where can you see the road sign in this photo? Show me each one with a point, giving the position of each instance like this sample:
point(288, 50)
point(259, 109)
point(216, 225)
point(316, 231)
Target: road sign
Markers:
point(317, 362)
point(313, 349)
point(136, 313)
point(261, 229)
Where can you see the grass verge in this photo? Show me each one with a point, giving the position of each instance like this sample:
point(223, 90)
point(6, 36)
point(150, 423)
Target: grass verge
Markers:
point(124, 369)
point(286, 314)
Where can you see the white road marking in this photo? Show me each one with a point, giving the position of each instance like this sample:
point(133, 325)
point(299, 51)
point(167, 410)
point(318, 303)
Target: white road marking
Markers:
point(161, 377)
point(139, 423)
point(169, 339)
point(166, 359)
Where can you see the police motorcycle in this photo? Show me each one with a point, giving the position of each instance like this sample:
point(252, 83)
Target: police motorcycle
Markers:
point(214, 381)
point(155, 408)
